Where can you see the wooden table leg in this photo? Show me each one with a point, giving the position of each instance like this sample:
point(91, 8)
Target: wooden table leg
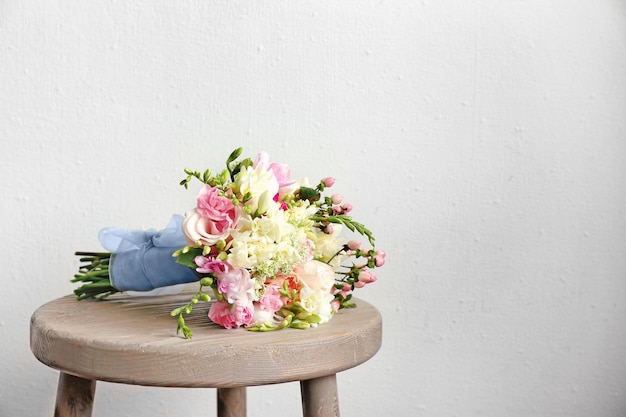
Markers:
point(319, 397)
point(74, 396)
point(231, 402)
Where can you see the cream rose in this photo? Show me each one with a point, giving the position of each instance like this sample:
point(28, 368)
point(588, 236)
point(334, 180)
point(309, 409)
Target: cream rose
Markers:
point(316, 275)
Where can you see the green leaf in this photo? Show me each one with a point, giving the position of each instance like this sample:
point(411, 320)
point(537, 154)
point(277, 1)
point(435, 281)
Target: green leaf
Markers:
point(186, 257)
point(234, 155)
point(311, 194)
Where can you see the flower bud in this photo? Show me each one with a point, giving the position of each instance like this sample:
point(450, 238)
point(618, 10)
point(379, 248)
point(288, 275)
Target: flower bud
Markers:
point(336, 198)
point(328, 181)
point(300, 325)
point(354, 244)
point(265, 200)
point(366, 277)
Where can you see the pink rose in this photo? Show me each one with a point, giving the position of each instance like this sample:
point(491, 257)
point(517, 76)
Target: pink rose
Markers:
point(227, 316)
point(316, 275)
point(213, 205)
point(212, 219)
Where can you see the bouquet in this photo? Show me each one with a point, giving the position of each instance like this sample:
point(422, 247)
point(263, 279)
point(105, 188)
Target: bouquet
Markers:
point(268, 247)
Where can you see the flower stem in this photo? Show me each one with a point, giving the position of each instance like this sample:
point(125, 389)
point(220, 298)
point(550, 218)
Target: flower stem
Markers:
point(94, 276)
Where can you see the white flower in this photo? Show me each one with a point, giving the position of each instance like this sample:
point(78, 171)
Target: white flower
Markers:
point(317, 302)
point(325, 245)
point(268, 245)
point(239, 254)
point(300, 214)
point(256, 181)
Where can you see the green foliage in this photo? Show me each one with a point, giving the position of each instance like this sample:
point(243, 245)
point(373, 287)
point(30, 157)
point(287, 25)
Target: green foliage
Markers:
point(347, 221)
point(186, 255)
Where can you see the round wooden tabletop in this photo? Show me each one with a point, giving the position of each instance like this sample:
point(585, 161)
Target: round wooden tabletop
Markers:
point(132, 340)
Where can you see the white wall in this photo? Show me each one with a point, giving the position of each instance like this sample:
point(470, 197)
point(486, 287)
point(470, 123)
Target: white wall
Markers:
point(482, 141)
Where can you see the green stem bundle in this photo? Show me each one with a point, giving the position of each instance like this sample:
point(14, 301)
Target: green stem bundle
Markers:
point(94, 276)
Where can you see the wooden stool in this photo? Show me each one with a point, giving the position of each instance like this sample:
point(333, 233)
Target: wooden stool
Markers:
point(131, 340)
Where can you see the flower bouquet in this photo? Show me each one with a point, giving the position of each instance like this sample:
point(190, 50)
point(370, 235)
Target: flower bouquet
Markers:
point(267, 246)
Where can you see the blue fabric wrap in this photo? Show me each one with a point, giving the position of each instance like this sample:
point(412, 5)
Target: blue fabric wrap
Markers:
point(142, 259)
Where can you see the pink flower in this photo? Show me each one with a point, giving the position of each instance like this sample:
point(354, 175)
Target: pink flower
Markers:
point(328, 181)
point(213, 205)
point(365, 277)
point(231, 316)
point(283, 205)
point(209, 264)
point(283, 175)
point(379, 257)
point(212, 219)
point(279, 281)
point(236, 285)
point(345, 290)
point(354, 244)
point(281, 172)
point(336, 198)
point(269, 304)
point(271, 300)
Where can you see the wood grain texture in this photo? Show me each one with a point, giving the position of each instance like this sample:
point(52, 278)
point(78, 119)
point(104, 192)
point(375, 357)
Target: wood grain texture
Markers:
point(74, 396)
point(132, 340)
point(231, 402)
point(319, 397)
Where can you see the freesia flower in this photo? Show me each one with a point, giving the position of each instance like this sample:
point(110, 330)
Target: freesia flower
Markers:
point(209, 264)
point(256, 180)
point(283, 175)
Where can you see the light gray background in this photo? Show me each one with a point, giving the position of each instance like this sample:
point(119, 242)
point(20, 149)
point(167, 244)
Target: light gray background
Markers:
point(482, 141)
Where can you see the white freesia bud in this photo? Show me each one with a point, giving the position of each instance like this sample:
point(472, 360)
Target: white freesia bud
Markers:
point(265, 202)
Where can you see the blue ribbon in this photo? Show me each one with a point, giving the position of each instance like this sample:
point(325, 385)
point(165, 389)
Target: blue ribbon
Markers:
point(142, 259)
